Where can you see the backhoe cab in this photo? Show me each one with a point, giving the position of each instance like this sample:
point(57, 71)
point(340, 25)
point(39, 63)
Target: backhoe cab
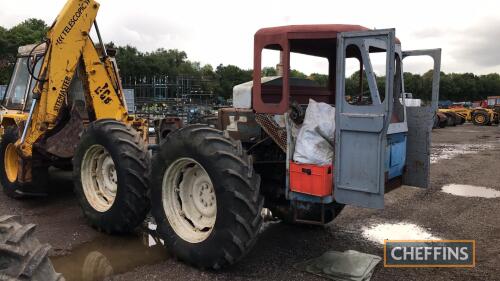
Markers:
point(19, 95)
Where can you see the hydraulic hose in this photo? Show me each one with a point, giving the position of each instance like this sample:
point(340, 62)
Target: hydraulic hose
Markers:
point(31, 70)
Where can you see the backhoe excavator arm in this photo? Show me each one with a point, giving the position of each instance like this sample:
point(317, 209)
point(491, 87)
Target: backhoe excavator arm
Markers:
point(68, 45)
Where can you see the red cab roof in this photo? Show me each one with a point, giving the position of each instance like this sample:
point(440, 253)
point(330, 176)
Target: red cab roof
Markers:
point(316, 30)
point(309, 31)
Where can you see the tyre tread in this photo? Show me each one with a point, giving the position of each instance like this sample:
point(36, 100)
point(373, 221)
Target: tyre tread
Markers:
point(239, 181)
point(25, 257)
point(132, 155)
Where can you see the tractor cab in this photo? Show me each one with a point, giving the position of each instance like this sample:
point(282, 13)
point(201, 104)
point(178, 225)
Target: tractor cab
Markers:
point(379, 143)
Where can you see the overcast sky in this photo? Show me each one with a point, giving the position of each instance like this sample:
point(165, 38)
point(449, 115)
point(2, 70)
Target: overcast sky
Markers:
point(221, 31)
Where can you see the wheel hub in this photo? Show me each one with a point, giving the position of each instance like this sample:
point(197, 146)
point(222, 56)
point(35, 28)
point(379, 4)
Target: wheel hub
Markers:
point(189, 200)
point(109, 173)
point(11, 162)
point(202, 194)
point(99, 178)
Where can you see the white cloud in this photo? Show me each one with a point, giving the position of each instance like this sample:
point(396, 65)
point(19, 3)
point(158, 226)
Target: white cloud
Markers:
point(222, 31)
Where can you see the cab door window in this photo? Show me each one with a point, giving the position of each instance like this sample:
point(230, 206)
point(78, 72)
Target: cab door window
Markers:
point(14, 98)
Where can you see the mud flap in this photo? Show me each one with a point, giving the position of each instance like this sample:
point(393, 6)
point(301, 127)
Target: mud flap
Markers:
point(420, 121)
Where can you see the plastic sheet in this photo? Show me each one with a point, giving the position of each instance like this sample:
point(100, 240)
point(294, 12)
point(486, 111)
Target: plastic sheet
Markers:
point(315, 141)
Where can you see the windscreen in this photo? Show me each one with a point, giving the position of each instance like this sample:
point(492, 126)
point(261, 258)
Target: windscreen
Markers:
point(17, 95)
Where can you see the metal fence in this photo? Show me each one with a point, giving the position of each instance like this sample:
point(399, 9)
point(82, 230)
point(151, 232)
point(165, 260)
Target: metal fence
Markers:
point(165, 95)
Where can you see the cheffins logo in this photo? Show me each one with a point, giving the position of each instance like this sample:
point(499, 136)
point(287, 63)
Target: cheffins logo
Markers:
point(429, 253)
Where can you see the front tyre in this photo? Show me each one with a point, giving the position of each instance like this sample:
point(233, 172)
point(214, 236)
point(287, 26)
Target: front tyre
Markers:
point(9, 166)
point(110, 176)
point(205, 197)
point(9, 163)
point(481, 118)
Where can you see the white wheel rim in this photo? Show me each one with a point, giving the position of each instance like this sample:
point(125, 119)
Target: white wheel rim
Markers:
point(189, 200)
point(99, 178)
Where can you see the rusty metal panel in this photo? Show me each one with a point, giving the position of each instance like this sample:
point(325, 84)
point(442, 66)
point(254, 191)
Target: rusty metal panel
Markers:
point(259, 105)
point(307, 31)
point(165, 126)
point(239, 123)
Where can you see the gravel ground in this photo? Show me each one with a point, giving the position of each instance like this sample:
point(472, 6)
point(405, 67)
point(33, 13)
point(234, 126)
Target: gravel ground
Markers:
point(461, 155)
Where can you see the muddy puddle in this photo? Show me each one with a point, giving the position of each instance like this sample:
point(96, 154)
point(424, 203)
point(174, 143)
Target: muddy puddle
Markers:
point(110, 255)
point(470, 191)
point(396, 231)
point(449, 151)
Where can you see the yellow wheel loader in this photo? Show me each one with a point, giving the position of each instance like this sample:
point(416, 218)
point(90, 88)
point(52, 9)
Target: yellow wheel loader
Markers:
point(484, 116)
point(479, 116)
point(65, 105)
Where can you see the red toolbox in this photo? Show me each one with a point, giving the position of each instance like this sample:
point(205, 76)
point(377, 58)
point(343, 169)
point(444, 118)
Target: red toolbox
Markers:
point(311, 179)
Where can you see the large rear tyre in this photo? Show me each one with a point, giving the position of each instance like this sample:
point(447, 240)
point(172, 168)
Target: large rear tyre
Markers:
point(110, 169)
point(205, 197)
point(9, 164)
point(22, 257)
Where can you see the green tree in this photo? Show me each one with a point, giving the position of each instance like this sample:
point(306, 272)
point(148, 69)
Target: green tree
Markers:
point(294, 73)
point(489, 84)
point(228, 76)
point(269, 71)
point(131, 62)
point(321, 79)
point(207, 71)
point(30, 31)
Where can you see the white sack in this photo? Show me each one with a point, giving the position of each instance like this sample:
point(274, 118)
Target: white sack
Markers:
point(314, 143)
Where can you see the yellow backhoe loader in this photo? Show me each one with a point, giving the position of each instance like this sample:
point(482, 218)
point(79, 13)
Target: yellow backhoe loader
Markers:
point(64, 105)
